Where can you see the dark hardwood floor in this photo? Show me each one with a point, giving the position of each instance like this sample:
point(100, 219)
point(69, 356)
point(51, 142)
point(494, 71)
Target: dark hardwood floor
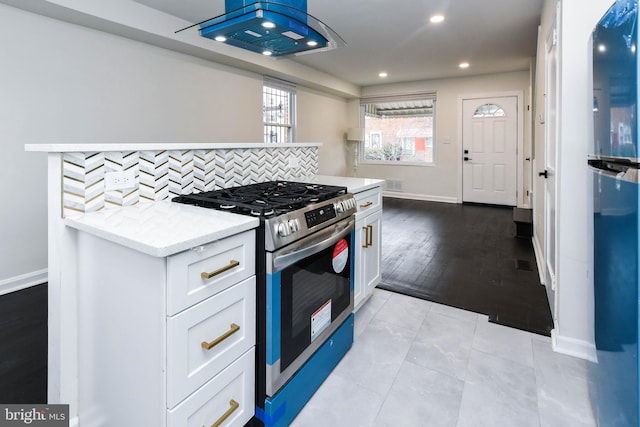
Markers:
point(23, 346)
point(466, 256)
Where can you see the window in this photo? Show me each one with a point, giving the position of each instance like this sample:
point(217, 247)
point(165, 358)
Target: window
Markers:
point(399, 129)
point(278, 110)
point(488, 110)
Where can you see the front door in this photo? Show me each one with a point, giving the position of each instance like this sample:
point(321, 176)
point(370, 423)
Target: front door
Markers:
point(489, 143)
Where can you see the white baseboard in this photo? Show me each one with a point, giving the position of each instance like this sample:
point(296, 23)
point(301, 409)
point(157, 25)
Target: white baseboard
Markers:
point(573, 347)
point(537, 251)
point(424, 197)
point(24, 281)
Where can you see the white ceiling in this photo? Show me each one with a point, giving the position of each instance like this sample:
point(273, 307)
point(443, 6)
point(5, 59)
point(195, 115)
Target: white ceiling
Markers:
point(396, 36)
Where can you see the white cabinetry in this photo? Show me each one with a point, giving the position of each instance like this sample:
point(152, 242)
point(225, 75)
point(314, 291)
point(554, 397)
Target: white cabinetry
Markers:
point(368, 249)
point(166, 341)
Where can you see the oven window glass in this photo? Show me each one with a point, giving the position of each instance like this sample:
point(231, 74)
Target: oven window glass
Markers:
point(311, 290)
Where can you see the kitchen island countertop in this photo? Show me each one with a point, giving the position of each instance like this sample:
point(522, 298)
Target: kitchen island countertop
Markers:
point(162, 228)
point(354, 185)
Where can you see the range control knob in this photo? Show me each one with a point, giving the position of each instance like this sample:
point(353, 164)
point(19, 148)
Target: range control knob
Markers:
point(294, 225)
point(282, 229)
point(339, 206)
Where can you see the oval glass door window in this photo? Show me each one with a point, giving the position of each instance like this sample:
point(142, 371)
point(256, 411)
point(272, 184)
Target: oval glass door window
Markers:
point(489, 110)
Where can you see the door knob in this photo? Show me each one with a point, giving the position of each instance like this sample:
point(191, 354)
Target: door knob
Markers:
point(466, 159)
point(545, 174)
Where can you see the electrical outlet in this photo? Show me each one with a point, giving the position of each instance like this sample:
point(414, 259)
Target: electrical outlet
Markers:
point(119, 180)
point(294, 162)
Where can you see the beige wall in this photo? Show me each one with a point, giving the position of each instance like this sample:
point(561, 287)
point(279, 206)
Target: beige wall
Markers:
point(323, 118)
point(441, 181)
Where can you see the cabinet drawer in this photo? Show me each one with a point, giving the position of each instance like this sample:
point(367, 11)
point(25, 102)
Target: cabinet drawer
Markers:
point(230, 393)
point(369, 201)
point(226, 322)
point(227, 261)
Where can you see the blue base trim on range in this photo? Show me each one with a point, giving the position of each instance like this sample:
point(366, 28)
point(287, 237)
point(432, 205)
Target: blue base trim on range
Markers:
point(282, 408)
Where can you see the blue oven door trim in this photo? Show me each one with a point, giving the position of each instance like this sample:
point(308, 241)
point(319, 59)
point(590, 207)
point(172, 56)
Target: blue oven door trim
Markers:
point(276, 376)
point(282, 408)
point(273, 318)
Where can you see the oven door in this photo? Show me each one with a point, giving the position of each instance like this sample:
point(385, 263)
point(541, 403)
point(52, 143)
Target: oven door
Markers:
point(309, 295)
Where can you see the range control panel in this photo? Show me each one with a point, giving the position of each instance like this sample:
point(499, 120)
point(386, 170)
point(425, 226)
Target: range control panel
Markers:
point(320, 215)
point(289, 227)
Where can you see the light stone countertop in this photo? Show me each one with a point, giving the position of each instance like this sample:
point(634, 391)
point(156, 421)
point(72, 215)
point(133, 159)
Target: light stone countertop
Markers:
point(354, 185)
point(162, 228)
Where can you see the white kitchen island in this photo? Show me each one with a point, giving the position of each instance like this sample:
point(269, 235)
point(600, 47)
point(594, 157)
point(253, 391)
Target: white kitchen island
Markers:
point(166, 316)
point(140, 226)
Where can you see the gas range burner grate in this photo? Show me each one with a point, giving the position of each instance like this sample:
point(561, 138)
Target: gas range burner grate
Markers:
point(265, 199)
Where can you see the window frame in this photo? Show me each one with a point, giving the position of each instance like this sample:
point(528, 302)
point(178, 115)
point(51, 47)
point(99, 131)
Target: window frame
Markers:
point(269, 84)
point(422, 96)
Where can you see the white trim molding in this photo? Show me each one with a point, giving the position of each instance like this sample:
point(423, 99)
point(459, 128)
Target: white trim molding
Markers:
point(13, 284)
point(424, 197)
point(573, 347)
point(539, 254)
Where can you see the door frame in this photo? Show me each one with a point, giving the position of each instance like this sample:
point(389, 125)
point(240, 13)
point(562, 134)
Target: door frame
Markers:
point(522, 201)
point(551, 131)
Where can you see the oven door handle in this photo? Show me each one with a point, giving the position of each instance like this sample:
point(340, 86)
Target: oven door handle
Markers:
point(311, 245)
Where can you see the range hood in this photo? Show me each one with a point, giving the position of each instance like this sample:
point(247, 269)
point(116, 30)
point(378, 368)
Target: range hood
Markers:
point(271, 28)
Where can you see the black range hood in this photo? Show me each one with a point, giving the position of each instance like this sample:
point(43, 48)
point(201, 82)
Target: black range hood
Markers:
point(270, 28)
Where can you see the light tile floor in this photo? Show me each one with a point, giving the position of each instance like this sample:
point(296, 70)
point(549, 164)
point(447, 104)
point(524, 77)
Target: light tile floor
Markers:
point(417, 363)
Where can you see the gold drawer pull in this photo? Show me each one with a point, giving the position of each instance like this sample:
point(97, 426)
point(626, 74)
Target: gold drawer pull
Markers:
point(366, 205)
point(366, 237)
point(232, 264)
point(370, 234)
point(232, 330)
point(234, 405)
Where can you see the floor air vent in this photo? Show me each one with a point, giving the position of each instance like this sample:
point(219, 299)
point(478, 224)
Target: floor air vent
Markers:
point(394, 185)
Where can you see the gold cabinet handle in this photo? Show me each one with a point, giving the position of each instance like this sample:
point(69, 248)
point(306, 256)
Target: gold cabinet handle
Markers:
point(234, 405)
point(232, 264)
point(366, 237)
point(370, 234)
point(366, 205)
point(232, 330)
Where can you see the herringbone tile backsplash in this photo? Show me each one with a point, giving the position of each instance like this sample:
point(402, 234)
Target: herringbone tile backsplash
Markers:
point(165, 174)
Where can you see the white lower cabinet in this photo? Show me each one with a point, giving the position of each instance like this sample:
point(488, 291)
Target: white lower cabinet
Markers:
point(226, 400)
point(145, 360)
point(368, 244)
point(208, 336)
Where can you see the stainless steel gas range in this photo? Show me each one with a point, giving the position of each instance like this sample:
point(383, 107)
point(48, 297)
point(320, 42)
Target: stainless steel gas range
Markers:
point(304, 269)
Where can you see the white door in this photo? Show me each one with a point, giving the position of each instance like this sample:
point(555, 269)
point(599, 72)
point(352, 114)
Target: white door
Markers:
point(489, 144)
point(549, 172)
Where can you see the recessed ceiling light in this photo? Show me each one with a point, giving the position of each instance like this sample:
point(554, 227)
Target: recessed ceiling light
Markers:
point(267, 53)
point(221, 39)
point(602, 48)
point(383, 74)
point(436, 19)
point(267, 24)
point(464, 65)
point(312, 43)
